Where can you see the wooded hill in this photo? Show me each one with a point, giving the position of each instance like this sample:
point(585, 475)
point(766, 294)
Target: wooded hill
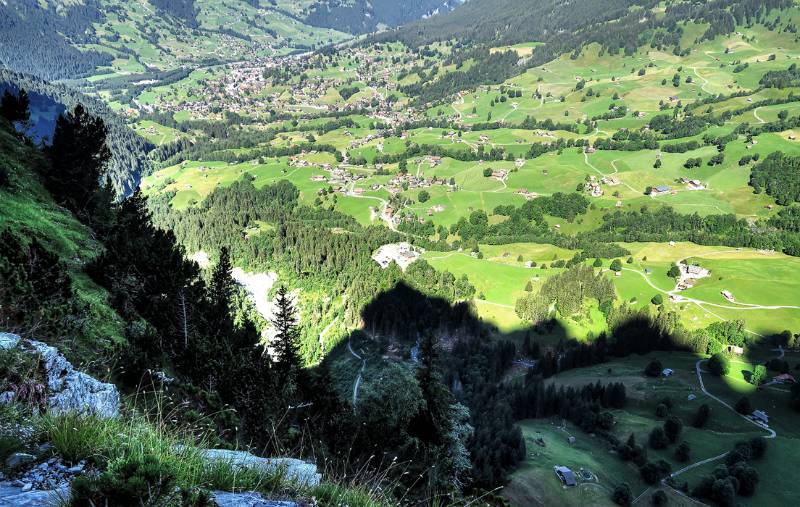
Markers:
point(129, 160)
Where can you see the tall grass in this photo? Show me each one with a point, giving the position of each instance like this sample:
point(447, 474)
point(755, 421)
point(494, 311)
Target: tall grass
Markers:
point(104, 442)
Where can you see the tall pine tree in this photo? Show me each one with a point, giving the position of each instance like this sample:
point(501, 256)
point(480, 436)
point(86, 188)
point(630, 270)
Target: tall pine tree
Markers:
point(78, 158)
point(284, 345)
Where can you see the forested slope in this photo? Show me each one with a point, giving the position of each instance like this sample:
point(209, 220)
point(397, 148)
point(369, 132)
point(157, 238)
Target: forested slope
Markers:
point(129, 160)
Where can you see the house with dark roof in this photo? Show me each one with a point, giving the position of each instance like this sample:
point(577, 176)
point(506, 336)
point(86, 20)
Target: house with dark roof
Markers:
point(565, 475)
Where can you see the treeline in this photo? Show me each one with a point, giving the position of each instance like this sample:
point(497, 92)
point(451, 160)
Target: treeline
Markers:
point(523, 221)
point(665, 224)
point(778, 175)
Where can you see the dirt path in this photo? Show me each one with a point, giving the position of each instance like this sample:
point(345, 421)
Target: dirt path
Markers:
point(755, 113)
point(705, 81)
point(601, 173)
point(357, 383)
point(739, 306)
point(771, 433)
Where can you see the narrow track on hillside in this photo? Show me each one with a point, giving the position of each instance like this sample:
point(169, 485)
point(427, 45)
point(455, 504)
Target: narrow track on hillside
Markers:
point(771, 433)
point(357, 382)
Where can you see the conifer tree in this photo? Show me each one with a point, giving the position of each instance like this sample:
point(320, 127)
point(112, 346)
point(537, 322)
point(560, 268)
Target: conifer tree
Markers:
point(221, 287)
point(284, 345)
point(15, 109)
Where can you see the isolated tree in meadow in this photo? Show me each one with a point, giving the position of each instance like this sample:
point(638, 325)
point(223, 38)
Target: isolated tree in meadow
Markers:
point(673, 428)
point(616, 265)
point(759, 374)
point(622, 495)
point(658, 498)
point(658, 439)
point(702, 415)
point(653, 368)
point(683, 452)
point(674, 272)
point(657, 300)
point(743, 406)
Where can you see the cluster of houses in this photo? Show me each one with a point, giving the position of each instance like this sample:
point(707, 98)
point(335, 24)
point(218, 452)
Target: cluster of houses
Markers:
point(403, 254)
point(689, 274)
point(527, 194)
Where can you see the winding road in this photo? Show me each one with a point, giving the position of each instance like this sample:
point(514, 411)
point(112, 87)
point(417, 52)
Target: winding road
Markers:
point(357, 383)
point(771, 433)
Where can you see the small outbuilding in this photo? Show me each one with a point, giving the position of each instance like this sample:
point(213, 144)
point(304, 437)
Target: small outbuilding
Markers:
point(760, 416)
point(667, 372)
point(565, 475)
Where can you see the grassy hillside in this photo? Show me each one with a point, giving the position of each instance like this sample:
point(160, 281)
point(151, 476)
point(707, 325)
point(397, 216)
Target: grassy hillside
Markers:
point(90, 328)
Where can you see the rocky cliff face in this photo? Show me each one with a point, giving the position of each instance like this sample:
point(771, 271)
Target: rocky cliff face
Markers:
point(66, 389)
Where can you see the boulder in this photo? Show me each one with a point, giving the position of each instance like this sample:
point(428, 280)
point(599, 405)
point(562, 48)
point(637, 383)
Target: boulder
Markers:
point(17, 459)
point(295, 470)
point(68, 390)
point(8, 341)
point(248, 499)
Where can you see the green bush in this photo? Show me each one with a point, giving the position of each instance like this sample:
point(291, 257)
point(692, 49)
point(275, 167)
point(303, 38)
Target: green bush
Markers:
point(135, 481)
point(653, 368)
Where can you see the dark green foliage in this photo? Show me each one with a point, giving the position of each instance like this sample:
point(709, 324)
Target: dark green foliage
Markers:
point(781, 78)
point(15, 108)
point(35, 286)
point(44, 46)
point(567, 290)
point(653, 368)
point(78, 158)
point(129, 151)
point(134, 482)
point(683, 452)
point(702, 415)
point(736, 476)
point(657, 300)
point(622, 495)
point(743, 405)
point(658, 438)
point(718, 364)
point(185, 10)
point(362, 16)
point(658, 498)
point(652, 472)
point(779, 176)
point(287, 357)
point(673, 428)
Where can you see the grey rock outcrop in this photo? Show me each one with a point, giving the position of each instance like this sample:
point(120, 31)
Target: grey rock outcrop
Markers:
point(248, 499)
point(295, 470)
point(68, 390)
point(14, 496)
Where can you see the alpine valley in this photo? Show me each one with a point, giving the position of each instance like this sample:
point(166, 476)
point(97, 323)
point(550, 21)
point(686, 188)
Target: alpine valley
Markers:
point(290, 253)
